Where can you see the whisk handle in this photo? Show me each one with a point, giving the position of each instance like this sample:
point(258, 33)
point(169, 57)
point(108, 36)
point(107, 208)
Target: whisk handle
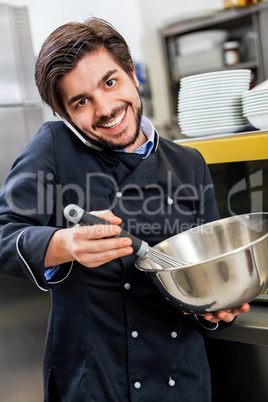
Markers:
point(75, 214)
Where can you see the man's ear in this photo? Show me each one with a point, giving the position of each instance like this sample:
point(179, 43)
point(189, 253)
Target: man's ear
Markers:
point(135, 79)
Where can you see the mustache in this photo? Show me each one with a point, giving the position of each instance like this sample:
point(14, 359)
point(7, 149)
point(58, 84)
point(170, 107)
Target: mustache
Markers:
point(112, 115)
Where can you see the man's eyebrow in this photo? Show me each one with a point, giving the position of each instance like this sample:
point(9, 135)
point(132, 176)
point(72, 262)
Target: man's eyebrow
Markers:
point(106, 77)
point(75, 98)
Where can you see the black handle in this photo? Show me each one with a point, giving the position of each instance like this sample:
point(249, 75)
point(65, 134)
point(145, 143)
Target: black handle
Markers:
point(75, 214)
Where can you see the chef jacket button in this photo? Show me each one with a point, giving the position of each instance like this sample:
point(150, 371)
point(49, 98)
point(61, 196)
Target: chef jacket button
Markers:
point(127, 286)
point(137, 384)
point(134, 334)
point(118, 194)
point(173, 334)
point(170, 201)
point(171, 382)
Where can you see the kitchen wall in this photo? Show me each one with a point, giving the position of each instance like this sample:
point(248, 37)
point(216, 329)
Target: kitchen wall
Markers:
point(137, 20)
point(157, 14)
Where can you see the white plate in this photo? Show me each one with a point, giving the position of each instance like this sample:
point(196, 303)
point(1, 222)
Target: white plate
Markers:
point(230, 83)
point(215, 130)
point(255, 111)
point(255, 101)
point(211, 89)
point(259, 120)
point(211, 92)
point(206, 98)
point(257, 107)
point(247, 110)
point(196, 41)
point(211, 110)
point(254, 96)
point(250, 101)
point(217, 74)
point(217, 99)
point(211, 123)
point(217, 95)
point(201, 106)
point(200, 110)
point(207, 120)
point(213, 96)
point(208, 103)
point(206, 115)
point(254, 92)
point(253, 107)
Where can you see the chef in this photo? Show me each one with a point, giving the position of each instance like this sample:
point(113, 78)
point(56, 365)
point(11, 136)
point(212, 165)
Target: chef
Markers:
point(111, 335)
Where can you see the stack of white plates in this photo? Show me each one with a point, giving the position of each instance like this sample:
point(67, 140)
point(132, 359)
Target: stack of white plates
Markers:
point(255, 106)
point(201, 40)
point(211, 103)
point(200, 51)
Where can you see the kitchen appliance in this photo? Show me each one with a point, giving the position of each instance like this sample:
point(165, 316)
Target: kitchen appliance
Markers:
point(23, 310)
point(21, 108)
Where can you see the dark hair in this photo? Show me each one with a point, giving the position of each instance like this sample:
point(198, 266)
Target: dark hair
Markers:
point(67, 45)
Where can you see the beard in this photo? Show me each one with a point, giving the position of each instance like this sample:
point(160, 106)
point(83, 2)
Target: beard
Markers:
point(112, 145)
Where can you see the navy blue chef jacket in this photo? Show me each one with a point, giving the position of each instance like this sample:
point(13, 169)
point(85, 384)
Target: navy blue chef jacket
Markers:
point(111, 335)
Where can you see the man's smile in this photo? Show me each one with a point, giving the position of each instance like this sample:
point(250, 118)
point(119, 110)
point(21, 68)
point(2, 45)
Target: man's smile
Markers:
point(114, 123)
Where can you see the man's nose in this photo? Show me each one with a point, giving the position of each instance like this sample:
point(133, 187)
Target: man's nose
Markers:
point(102, 105)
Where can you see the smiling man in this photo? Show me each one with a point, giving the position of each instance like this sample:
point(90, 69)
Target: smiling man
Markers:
point(107, 108)
point(112, 337)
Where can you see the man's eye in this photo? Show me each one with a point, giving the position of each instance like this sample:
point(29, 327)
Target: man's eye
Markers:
point(110, 83)
point(82, 102)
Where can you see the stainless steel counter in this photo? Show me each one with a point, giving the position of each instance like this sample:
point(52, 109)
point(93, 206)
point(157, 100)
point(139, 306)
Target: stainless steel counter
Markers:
point(250, 328)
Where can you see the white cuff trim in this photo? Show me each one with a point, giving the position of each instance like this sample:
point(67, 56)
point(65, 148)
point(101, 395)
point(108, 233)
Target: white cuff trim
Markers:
point(56, 282)
point(209, 329)
point(31, 272)
point(25, 262)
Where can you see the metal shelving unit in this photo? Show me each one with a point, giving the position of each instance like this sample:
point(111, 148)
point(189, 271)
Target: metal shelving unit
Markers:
point(238, 22)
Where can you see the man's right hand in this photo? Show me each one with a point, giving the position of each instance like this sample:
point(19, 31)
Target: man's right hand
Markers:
point(89, 245)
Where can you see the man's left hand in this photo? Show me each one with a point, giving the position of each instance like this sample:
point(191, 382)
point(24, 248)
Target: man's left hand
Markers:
point(227, 315)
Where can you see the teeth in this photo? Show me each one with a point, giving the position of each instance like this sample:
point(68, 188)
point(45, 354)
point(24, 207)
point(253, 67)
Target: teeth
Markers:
point(115, 122)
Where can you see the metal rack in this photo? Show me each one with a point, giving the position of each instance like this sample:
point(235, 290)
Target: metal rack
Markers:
point(237, 21)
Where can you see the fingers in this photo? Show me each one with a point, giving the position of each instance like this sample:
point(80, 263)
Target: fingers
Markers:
point(95, 245)
point(227, 315)
point(244, 308)
point(91, 256)
point(94, 232)
point(108, 215)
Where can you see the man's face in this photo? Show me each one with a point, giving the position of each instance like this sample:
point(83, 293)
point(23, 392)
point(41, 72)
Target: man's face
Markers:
point(102, 100)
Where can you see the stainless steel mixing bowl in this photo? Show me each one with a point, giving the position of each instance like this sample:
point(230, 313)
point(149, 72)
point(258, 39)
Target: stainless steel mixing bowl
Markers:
point(229, 264)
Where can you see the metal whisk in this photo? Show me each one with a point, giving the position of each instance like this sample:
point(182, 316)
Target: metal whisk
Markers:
point(75, 214)
point(164, 260)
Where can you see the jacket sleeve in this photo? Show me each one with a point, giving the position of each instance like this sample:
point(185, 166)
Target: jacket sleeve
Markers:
point(27, 212)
